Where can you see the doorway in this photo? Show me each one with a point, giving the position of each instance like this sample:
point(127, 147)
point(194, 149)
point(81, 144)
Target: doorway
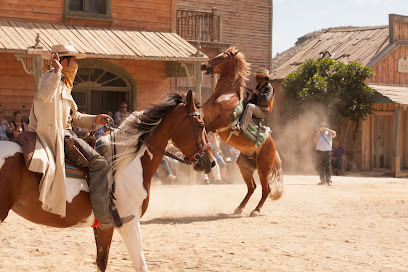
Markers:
point(100, 87)
point(381, 141)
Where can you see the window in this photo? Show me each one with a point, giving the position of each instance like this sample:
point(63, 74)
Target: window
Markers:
point(90, 9)
point(91, 6)
point(100, 87)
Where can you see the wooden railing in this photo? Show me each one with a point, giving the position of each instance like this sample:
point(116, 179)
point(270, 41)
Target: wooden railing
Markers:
point(198, 25)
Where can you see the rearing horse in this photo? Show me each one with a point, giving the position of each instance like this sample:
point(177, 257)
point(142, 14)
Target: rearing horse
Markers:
point(139, 141)
point(218, 109)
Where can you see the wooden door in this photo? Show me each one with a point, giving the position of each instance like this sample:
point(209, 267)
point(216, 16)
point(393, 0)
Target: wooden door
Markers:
point(381, 142)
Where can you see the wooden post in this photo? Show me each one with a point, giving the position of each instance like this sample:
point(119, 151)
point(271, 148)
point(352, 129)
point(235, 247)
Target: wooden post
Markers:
point(396, 145)
point(198, 73)
point(198, 83)
point(38, 61)
point(215, 31)
point(38, 64)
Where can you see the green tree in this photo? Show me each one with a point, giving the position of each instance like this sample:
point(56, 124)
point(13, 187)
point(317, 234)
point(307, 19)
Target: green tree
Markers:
point(336, 87)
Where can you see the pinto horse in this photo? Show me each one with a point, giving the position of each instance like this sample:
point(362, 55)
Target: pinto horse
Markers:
point(139, 142)
point(233, 71)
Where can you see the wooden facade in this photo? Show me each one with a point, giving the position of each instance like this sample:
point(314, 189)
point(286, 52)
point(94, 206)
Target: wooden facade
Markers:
point(380, 142)
point(386, 71)
point(385, 135)
point(150, 15)
point(145, 77)
point(245, 24)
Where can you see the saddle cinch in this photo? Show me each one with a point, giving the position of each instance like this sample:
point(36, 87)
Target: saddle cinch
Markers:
point(27, 140)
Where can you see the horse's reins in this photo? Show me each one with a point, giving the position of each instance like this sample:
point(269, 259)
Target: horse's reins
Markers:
point(235, 82)
point(113, 147)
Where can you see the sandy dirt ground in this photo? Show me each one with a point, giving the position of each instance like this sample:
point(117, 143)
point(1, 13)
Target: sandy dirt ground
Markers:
point(359, 224)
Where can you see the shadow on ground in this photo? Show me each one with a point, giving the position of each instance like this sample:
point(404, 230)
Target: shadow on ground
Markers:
point(190, 219)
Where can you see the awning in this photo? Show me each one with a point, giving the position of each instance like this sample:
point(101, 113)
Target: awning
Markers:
point(20, 37)
point(397, 94)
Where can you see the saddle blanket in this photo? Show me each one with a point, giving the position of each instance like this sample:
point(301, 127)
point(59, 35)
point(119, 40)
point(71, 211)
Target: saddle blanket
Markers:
point(254, 131)
point(73, 172)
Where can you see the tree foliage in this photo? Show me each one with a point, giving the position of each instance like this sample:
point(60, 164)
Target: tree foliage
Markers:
point(337, 87)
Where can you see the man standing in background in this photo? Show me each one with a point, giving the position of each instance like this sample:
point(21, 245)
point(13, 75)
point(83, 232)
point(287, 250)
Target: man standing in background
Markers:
point(323, 141)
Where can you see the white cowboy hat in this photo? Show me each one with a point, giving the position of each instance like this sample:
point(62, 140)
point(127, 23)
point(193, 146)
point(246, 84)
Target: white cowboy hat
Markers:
point(64, 49)
point(262, 72)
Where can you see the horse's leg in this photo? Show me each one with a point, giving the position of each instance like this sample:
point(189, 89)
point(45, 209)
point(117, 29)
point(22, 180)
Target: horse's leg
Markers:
point(103, 239)
point(264, 161)
point(5, 197)
point(247, 167)
point(131, 235)
point(10, 176)
point(263, 178)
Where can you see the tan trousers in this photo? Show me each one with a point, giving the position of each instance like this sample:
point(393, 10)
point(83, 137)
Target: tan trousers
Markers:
point(251, 110)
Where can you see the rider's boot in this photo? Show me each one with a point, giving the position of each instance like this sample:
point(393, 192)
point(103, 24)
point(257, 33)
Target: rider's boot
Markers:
point(116, 221)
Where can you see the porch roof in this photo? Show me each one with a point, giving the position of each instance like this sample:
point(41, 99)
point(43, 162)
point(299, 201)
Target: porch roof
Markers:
point(19, 37)
point(397, 94)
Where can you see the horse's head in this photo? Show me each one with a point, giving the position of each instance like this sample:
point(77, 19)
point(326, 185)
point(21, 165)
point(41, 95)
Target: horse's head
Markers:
point(189, 135)
point(221, 63)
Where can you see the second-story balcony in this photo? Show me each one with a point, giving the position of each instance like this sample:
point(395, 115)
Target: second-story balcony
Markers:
point(203, 26)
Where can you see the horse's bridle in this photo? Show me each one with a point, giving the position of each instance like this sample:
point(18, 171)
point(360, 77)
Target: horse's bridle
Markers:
point(200, 152)
point(209, 70)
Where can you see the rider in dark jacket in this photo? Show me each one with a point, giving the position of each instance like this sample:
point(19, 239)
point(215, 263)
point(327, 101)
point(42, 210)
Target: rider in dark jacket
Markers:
point(261, 102)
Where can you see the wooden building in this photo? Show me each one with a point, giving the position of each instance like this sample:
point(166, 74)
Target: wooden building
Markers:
point(216, 25)
point(128, 43)
point(381, 141)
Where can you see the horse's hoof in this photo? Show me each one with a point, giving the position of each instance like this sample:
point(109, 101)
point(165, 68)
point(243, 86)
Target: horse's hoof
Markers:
point(238, 211)
point(254, 213)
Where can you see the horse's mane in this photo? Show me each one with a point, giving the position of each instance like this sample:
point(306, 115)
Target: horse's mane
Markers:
point(139, 125)
point(242, 72)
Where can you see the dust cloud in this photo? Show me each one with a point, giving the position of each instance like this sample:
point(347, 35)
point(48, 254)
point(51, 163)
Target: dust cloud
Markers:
point(294, 141)
point(188, 202)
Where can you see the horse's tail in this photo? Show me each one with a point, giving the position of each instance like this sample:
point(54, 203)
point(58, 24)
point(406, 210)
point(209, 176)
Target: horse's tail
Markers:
point(276, 179)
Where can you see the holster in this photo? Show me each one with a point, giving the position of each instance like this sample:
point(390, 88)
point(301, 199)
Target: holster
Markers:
point(76, 151)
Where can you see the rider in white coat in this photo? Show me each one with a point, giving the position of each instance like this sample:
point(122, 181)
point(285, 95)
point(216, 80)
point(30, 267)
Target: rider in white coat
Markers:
point(52, 115)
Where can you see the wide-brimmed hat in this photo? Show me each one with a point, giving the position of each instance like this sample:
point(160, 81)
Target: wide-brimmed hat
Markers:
point(323, 124)
point(263, 73)
point(64, 49)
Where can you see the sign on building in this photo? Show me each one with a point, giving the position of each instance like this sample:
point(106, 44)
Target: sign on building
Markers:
point(403, 65)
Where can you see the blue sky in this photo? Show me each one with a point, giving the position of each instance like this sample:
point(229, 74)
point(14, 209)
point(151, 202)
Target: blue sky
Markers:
point(295, 18)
